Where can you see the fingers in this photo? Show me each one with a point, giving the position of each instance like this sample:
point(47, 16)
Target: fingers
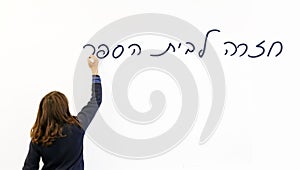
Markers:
point(92, 59)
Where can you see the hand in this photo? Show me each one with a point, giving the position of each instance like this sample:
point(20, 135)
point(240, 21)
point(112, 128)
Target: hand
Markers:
point(93, 64)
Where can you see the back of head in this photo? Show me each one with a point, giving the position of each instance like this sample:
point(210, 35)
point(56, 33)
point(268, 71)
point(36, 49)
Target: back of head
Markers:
point(53, 114)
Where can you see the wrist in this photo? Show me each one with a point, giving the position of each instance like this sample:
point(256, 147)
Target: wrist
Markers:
point(95, 71)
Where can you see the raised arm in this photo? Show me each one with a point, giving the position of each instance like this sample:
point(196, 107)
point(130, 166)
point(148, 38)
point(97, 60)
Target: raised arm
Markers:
point(87, 113)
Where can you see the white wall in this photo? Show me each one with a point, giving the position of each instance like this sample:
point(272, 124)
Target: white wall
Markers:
point(41, 41)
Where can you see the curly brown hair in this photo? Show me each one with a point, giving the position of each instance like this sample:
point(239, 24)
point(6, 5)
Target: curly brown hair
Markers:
point(53, 114)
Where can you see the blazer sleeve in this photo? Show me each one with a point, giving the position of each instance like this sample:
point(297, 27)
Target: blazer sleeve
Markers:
point(33, 158)
point(87, 113)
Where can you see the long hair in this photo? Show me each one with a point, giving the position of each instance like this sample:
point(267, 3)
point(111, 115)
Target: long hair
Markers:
point(53, 114)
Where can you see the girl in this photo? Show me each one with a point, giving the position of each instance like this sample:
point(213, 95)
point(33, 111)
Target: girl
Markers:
point(57, 136)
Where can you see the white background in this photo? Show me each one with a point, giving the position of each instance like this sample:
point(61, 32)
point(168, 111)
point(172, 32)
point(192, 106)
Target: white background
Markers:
point(40, 43)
